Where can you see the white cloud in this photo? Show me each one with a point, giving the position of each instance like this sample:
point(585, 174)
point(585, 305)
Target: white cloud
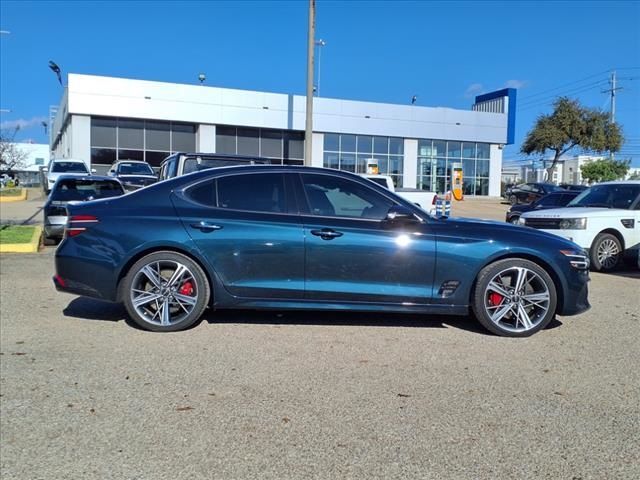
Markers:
point(515, 84)
point(473, 89)
point(22, 124)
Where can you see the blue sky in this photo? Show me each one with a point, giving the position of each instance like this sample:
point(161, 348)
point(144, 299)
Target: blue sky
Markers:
point(443, 52)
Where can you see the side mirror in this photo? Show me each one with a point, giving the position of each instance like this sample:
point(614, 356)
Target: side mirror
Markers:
point(399, 215)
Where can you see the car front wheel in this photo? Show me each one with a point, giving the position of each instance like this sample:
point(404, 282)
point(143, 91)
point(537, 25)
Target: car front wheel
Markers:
point(605, 253)
point(514, 298)
point(165, 292)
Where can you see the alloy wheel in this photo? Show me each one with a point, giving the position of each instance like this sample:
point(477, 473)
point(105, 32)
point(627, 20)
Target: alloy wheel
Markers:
point(164, 292)
point(517, 299)
point(608, 252)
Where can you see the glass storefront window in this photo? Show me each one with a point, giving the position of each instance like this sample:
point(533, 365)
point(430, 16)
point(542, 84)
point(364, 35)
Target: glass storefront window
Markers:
point(131, 134)
point(396, 146)
point(381, 145)
point(331, 160)
point(332, 142)
point(103, 132)
point(248, 141)
point(158, 136)
point(348, 162)
point(226, 140)
point(483, 150)
point(183, 137)
point(365, 144)
point(347, 143)
point(468, 150)
point(435, 173)
point(271, 144)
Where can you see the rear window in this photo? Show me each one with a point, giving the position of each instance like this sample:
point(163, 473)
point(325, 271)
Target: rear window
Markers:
point(62, 167)
point(71, 189)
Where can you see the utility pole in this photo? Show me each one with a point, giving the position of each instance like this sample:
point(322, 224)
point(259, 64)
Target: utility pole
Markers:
point(308, 132)
point(612, 92)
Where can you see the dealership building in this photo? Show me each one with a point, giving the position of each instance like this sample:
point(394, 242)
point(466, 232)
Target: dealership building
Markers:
point(104, 119)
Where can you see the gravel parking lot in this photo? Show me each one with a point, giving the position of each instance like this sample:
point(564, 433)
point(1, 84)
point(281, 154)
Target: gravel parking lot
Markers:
point(312, 395)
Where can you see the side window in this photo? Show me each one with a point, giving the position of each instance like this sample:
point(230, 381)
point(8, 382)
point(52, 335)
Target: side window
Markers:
point(171, 168)
point(259, 192)
point(338, 197)
point(549, 200)
point(204, 193)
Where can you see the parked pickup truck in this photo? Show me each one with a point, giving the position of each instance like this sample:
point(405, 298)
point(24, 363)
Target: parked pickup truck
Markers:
point(424, 199)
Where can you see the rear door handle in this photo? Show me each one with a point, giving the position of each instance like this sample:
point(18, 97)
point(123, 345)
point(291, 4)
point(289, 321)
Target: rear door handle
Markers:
point(326, 234)
point(206, 226)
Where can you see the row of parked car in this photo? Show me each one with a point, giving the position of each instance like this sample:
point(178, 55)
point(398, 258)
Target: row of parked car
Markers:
point(603, 219)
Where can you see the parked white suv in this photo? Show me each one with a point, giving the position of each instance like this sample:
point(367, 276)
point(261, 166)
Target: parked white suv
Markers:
point(64, 166)
point(604, 220)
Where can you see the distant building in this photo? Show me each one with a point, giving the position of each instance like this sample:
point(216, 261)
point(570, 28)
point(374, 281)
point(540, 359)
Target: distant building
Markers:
point(105, 119)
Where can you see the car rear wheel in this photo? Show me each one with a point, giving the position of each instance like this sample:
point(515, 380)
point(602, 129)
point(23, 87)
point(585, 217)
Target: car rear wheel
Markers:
point(605, 253)
point(165, 292)
point(514, 298)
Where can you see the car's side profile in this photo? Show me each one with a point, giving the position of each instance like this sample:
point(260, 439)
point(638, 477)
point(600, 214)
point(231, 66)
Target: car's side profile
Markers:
point(182, 163)
point(285, 237)
point(529, 192)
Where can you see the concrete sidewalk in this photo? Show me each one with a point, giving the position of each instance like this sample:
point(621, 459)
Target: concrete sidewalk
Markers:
point(28, 212)
point(484, 208)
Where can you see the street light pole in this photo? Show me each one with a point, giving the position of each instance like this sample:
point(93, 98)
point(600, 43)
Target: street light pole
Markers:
point(308, 132)
point(320, 43)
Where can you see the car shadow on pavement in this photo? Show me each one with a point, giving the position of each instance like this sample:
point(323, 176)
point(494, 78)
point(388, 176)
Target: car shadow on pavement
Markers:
point(91, 309)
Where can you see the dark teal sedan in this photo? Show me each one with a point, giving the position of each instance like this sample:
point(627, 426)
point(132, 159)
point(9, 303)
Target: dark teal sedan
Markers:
point(287, 237)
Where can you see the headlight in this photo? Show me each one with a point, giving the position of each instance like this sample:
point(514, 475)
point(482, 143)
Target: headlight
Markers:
point(573, 224)
point(52, 181)
point(522, 221)
point(577, 258)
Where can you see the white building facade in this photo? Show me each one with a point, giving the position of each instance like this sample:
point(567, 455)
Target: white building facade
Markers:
point(104, 119)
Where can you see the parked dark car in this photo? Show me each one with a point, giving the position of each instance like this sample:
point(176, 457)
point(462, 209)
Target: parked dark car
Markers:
point(554, 200)
point(530, 192)
point(573, 187)
point(74, 189)
point(292, 237)
point(181, 163)
point(133, 174)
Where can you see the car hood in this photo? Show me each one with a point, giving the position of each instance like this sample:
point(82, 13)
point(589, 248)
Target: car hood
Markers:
point(574, 212)
point(496, 230)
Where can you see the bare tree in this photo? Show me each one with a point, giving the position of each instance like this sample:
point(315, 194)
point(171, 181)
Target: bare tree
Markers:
point(11, 156)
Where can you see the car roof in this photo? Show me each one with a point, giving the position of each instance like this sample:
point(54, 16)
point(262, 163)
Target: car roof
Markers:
point(73, 160)
point(620, 182)
point(216, 155)
point(88, 177)
point(131, 161)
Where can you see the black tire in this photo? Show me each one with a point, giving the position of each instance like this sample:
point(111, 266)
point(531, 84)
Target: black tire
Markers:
point(540, 283)
point(49, 241)
point(146, 313)
point(605, 253)
point(513, 200)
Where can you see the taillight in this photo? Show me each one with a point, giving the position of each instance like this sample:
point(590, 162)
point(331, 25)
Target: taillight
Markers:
point(435, 199)
point(77, 224)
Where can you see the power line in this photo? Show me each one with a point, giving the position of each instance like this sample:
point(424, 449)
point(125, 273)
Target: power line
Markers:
point(565, 85)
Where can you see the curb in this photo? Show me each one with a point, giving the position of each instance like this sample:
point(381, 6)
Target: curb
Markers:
point(31, 247)
point(16, 198)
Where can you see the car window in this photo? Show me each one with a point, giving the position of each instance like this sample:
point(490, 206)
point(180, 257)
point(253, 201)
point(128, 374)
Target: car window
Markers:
point(339, 197)
point(61, 167)
point(256, 192)
point(204, 193)
point(172, 166)
point(549, 200)
point(71, 189)
point(608, 196)
point(131, 168)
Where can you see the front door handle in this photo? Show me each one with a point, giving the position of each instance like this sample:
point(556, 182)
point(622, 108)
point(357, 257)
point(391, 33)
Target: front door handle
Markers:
point(206, 226)
point(326, 234)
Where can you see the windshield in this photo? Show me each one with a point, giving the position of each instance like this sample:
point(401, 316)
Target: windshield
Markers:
point(608, 196)
point(64, 167)
point(135, 169)
point(70, 189)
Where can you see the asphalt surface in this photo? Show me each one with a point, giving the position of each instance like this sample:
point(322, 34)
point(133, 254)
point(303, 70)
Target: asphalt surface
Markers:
point(84, 395)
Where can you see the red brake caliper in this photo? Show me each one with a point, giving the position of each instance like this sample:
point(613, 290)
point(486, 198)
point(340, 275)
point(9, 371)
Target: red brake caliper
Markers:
point(186, 289)
point(495, 299)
